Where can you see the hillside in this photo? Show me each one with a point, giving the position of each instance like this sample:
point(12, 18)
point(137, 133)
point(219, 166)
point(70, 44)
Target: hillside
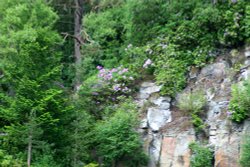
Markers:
point(124, 83)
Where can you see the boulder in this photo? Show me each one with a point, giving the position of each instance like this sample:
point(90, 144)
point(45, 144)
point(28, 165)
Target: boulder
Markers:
point(157, 118)
point(161, 102)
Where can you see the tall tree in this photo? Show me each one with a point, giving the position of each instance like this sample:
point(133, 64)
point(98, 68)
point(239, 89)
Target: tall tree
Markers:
point(32, 100)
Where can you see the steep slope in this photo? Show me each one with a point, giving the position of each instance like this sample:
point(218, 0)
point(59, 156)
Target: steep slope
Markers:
point(168, 131)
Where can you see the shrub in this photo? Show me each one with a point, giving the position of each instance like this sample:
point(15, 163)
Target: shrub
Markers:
point(117, 140)
point(92, 165)
point(194, 103)
point(245, 151)
point(201, 156)
point(239, 105)
point(9, 160)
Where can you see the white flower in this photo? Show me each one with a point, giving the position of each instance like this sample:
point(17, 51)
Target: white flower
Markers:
point(147, 63)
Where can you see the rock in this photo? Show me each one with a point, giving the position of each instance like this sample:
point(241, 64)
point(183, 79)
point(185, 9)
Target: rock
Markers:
point(143, 95)
point(210, 94)
point(140, 103)
point(227, 154)
point(144, 124)
point(157, 118)
point(214, 71)
point(246, 126)
point(147, 88)
point(175, 151)
point(161, 102)
point(223, 104)
point(247, 62)
point(212, 132)
point(155, 150)
point(147, 84)
point(150, 90)
point(213, 111)
point(246, 74)
point(247, 52)
point(194, 71)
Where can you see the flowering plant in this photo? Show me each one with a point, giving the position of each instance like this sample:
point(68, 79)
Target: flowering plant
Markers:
point(117, 79)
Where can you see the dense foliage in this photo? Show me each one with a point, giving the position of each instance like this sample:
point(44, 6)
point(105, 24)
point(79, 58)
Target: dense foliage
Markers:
point(32, 105)
point(44, 122)
point(117, 140)
point(174, 35)
point(245, 151)
point(201, 156)
point(240, 102)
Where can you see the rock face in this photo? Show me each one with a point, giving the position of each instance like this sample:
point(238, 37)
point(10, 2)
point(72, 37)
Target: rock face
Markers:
point(156, 116)
point(167, 132)
point(165, 148)
point(175, 151)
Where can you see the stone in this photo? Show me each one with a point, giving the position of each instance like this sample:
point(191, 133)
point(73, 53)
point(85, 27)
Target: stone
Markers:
point(152, 89)
point(212, 132)
point(210, 94)
point(246, 74)
point(227, 154)
point(143, 95)
point(141, 102)
point(246, 126)
point(247, 62)
point(213, 111)
point(194, 71)
point(157, 118)
point(212, 140)
point(214, 71)
point(147, 89)
point(161, 102)
point(175, 151)
point(247, 53)
point(223, 104)
point(155, 150)
point(144, 123)
point(147, 84)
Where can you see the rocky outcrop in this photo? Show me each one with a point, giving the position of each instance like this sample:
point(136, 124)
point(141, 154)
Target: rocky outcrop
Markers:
point(175, 151)
point(165, 148)
point(167, 132)
point(156, 115)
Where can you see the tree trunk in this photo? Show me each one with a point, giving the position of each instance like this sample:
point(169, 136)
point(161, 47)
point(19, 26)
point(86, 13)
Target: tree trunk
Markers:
point(78, 15)
point(29, 150)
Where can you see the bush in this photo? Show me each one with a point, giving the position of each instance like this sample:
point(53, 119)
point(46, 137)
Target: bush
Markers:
point(201, 156)
point(239, 105)
point(194, 103)
point(92, 165)
point(117, 140)
point(245, 151)
point(9, 160)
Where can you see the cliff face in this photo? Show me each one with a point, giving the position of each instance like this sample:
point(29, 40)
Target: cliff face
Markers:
point(167, 131)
